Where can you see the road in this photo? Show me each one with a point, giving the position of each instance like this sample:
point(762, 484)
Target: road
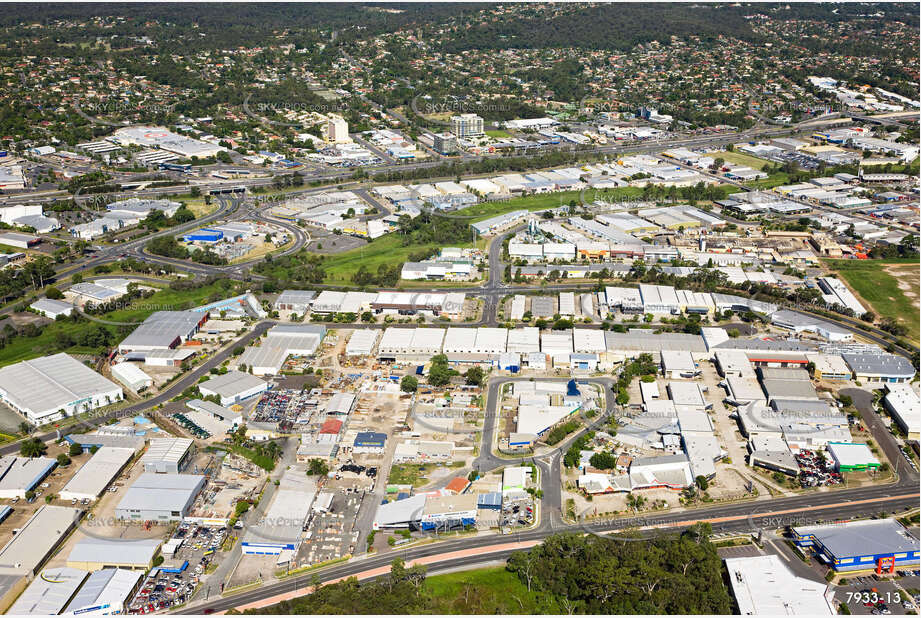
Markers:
point(742, 517)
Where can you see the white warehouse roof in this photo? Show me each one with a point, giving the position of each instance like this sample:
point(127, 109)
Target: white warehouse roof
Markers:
point(93, 477)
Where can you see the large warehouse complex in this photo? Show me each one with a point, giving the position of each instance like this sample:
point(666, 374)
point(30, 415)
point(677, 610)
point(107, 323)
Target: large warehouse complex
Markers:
point(49, 388)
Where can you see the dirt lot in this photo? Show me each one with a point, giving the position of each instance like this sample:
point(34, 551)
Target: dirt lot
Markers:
point(909, 280)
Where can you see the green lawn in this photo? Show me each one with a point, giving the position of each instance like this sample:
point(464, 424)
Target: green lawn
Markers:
point(49, 339)
point(740, 158)
point(881, 289)
point(384, 250)
point(485, 591)
point(498, 134)
point(408, 474)
point(776, 179)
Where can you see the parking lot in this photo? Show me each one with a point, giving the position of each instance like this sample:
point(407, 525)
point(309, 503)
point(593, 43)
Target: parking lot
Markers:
point(174, 581)
point(816, 471)
point(518, 512)
point(864, 595)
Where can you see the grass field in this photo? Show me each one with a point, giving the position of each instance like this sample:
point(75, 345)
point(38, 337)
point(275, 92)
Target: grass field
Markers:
point(878, 283)
point(773, 180)
point(384, 250)
point(486, 210)
point(485, 591)
point(498, 134)
point(47, 342)
point(740, 158)
point(408, 474)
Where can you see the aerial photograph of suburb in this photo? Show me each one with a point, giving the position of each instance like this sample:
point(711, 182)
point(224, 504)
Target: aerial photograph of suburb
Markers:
point(460, 308)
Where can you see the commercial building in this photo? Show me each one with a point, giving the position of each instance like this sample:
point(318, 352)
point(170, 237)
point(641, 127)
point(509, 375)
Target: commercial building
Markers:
point(167, 455)
point(49, 594)
point(369, 442)
point(444, 143)
point(362, 342)
point(850, 457)
point(499, 222)
point(233, 387)
point(105, 592)
point(879, 367)
point(904, 407)
point(49, 388)
point(93, 553)
point(163, 330)
point(21, 474)
point(107, 436)
point(225, 416)
point(297, 301)
point(841, 294)
point(678, 364)
point(403, 513)
point(880, 544)
point(51, 308)
point(131, 376)
point(447, 512)
point(830, 367)
point(410, 345)
point(667, 471)
point(95, 475)
point(800, 323)
point(337, 130)
point(764, 586)
point(160, 497)
point(22, 241)
point(659, 299)
point(160, 138)
point(35, 541)
point(281, 530)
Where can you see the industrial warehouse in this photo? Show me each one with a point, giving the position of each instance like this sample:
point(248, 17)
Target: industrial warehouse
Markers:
point(49, 388)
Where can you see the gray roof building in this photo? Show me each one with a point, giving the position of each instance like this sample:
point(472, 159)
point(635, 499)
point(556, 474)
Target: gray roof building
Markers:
point(48, 595)
point(167, 455)
point(162, 497)
point(788, 389)
point(294, 300)
point(163, 330)
point(35, 541)
point(90, 553)
point(856, 545)
point(880, 367)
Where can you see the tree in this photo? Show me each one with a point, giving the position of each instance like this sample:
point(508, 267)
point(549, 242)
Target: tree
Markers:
point(74, 450)
point(440, 373)
point(63, 460)
point(317, 467)
point(475, 376)
point(603, 461)
point(409, 384)
point(701, 482)
point(53, 293)
point(32, 448)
